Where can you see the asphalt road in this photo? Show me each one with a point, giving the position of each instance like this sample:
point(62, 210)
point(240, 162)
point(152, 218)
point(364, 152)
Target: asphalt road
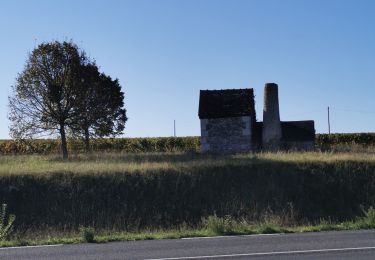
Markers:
point(323, 245)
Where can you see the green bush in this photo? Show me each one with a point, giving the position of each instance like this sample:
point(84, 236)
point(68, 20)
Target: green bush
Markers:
point(88, 234)
point(369, 217)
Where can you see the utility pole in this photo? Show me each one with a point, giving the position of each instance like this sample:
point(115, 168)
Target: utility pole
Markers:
point(329, 122)
point(174, 128)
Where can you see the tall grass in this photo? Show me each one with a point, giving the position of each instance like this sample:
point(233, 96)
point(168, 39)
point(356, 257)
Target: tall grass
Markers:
point(157, 190)
point(209, 226)
point(178, 161)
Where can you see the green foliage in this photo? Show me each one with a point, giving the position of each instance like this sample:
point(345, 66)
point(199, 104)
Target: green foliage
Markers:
point(128, 145)
point(370, 215)
point(325, 225)
point(61, 92)
point(228, 225)
point(159, 144)
point(6, 222)
point(87, 234)
point(101, 107)
point(219, 226)
point(326, 141)
point(45, 94)
point(208, 228)
point(368, 220)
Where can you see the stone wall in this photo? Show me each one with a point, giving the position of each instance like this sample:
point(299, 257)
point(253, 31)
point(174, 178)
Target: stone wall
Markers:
point(226, 135)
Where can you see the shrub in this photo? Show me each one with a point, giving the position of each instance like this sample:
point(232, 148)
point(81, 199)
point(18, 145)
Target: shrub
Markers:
point(88, 234)
point(369, 217)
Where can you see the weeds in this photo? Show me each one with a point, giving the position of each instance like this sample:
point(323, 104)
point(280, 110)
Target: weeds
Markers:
point(220, 226)
point(368, 219)
point(88, 234)
point(6, 222)
point(210, 226)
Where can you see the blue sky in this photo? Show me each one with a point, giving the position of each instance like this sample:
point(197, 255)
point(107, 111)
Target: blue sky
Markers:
point(163, 52)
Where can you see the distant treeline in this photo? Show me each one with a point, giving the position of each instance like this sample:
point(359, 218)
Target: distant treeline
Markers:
point(159, 144)
point(131, 145)
point(327, 140)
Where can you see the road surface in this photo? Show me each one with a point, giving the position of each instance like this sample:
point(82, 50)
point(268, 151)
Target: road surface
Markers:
point(322, 245)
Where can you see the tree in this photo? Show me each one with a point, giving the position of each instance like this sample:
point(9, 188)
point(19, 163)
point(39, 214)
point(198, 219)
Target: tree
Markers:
point(45, 93)
point(61, 91)
point(101, 108)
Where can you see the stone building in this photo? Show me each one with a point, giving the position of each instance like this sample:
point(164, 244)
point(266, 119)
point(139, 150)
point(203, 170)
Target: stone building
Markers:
point(227, 119)
point(228, 123)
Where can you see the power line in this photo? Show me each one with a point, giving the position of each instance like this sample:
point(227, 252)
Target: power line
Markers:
point(355, 111)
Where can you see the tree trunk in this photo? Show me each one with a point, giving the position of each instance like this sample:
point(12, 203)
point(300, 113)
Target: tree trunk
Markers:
point(87, 140)
point(64, 146)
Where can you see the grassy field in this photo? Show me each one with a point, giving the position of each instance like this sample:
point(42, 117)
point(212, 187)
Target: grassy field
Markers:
point(146, 162)
point(161, 195)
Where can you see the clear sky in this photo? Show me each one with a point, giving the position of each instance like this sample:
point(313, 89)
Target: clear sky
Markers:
point(320, 52)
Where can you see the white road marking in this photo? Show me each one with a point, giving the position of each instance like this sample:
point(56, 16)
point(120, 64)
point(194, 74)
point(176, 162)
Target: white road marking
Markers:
point(24, 247)
point(253, 235)
point(269, 253)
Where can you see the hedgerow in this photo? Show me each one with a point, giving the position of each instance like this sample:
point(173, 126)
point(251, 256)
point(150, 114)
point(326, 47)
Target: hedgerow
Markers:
point(327, 140)
point(157, 144)
point(130, 145)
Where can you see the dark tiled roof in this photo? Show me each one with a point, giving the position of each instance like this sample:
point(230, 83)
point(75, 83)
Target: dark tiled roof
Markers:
point(292, 131)
point(226, 103)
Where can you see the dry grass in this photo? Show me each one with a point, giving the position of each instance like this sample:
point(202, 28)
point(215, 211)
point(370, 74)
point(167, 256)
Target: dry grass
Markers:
point(318, 156)
point(146, 162)
point(175, 188)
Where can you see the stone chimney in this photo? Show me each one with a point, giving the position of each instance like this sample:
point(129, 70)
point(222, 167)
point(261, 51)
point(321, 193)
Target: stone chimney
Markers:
point(271, 136)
